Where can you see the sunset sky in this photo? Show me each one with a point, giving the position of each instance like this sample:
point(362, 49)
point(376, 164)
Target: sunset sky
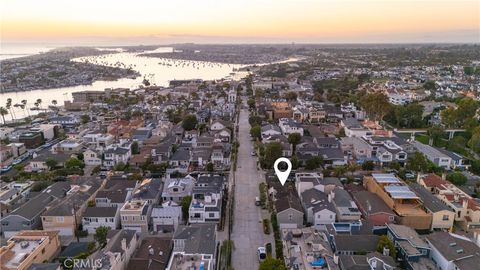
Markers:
point(162, 21)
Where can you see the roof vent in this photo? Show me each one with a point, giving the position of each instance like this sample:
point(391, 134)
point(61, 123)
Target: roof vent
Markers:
point(459, 251)
point(453, 244)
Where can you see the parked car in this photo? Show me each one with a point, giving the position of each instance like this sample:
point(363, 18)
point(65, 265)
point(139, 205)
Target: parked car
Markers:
point(253, 153)
point(262, 253)
point(257, 201)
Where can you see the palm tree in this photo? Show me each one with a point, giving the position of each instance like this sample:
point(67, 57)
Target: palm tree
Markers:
point(9, 107)
point(24, 102)
point(39, 102)
point(3, 112)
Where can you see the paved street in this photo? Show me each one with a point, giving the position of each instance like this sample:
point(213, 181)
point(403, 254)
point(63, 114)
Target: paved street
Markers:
point(247, 231)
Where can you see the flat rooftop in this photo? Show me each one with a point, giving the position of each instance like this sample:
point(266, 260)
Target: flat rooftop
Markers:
point(385, 178)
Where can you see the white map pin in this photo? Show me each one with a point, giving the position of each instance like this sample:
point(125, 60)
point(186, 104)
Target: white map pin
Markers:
point(282, 176)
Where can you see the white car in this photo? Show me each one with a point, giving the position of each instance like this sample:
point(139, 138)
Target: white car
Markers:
point(262, 253)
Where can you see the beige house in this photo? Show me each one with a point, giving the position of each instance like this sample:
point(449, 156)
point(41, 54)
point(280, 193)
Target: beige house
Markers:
point(135, 215)
point(28, 247)
point(67, 214)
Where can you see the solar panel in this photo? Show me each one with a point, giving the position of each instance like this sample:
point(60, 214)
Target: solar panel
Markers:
point(385, 178)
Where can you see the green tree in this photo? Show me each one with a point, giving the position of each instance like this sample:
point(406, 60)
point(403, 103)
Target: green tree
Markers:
point(294, 139)
point(435, 132)
point(3, 112)
point(339, 171)
point(474, 142)
point(135, 149)
point(101, 235)
point(254, 121)
point(96, 170)
point(429, 85)
point(120, 166)
point(189, 122)
point(251, 103)
point(273, 151)
point(417, 162)
point(376, 105)
point(185, 203)
point(51, 163)
point(368, 165)
point(385, 242)
point(74, 162)
point(256, 132)
point(313, 163)
point(457, 178)
point(210, 167)
point(85, 118)
point(290, 96)
point(272, 264)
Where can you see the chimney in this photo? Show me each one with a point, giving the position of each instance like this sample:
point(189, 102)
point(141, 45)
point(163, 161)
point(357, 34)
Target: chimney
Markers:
point(465, 203)
point(444, 176)
point(386, 251)
point(374, 262)
point(329, 197)
point(124, 244)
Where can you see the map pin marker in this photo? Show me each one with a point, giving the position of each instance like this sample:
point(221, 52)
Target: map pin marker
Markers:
point(282, 176)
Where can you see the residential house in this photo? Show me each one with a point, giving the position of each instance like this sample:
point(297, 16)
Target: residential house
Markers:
point(66, 214)
point(119, 249)
point(29, 247)
point(318, 209)
point(357, 244)
point(345, 207)
point(27, 216)
point(442, 216)
point(372, 260)
point(115, 193)
point(195, 246)
point(373, 209)
point(39, 162)
point(270, 130)
point(353, 128)
point(167, 217)
point(175, 189)
point(148, 190)
point(289, 210)
point(466, 209)
point(94, 217)
point(135, 215)
point(115, 155)
point(431, 153)
point(207, 196)
point(289, 126)
point(453, 252)
point(399, 198)
point(67, 146)
point(153, 253)
point(411, 249)
point(92, 157)
point(218, 125)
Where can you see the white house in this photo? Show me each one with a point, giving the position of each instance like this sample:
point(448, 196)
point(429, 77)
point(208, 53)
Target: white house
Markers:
point(270, 130)
point(453, 252)
point(115, 155)
point(319, 209)
point(95, 217)
point(289, 126)
point(92, 158)
point(167, 217)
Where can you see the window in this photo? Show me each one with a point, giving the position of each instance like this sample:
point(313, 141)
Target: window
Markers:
point(142, 217)
point(290, 217)
point(60, 219)
point(211, 215)
point(445, 217)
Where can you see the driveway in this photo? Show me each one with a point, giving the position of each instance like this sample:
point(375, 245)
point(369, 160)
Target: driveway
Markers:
point(247, 232)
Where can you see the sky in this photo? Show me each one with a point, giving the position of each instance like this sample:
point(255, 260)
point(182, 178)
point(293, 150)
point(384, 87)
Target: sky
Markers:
point(240, 21)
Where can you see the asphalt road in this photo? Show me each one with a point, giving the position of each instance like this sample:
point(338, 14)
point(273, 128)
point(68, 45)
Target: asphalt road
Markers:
point(247, 232)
